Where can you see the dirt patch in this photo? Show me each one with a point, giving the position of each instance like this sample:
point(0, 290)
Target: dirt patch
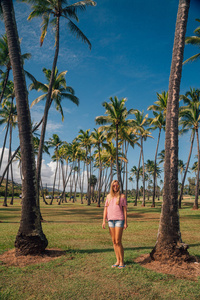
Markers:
point(187, 270)
point(9, 259)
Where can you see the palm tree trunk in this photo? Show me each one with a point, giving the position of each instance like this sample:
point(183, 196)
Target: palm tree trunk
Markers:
point(54, 182)
point(46, 110)
point(12, 181)
point(143, 200)
point(100, 173)
point(195, 206)
point(169, 245)
point(186, 169)
point(137, 180)
point(154, 173)
point(4, 144)
point(117, 161)
point(5, 83)
point(30, 238)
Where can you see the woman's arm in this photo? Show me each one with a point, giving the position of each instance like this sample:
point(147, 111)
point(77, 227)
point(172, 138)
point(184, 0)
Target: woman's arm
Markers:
point(125, 216)
point(104, 217)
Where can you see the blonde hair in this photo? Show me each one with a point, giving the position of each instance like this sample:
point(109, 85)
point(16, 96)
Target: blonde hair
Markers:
point(112, 194)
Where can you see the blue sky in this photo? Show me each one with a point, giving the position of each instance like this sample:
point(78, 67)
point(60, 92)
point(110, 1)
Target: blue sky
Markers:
point(132, 44)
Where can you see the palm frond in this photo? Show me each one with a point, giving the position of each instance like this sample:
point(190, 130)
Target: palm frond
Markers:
point(78, 33)
point(37, 100)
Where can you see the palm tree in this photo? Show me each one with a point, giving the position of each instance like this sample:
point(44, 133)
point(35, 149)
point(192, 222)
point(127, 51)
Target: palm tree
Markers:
point(30, 238)
point(139, 126)
point(189, 120)
point(169, 245)
point(158, 122)
point(54, 142)
point(116, 114)
point(98, 140)
point(160, 105)
point(51, 12)
point(59, 91)
point(85, 141)
point(193, 40)
point(110, 155)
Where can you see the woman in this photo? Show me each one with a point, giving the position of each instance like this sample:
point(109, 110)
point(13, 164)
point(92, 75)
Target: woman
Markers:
point(115, 211)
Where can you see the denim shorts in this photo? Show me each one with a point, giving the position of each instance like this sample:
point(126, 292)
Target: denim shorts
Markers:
point(116, 223)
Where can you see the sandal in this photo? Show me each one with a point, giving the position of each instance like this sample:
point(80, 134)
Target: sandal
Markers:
point(121, 267)
point(115, 266)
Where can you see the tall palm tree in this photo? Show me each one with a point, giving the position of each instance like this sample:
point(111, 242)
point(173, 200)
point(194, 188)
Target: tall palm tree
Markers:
point(59, 91)
point(116, 117)
point(189, 120)
point(85, 141)
point(193, 40)
point(169, 245)
point(30, 238)
point(51, 11)
point(98, 139)
point(140, 127)
point(158, 122)
point(54, 142)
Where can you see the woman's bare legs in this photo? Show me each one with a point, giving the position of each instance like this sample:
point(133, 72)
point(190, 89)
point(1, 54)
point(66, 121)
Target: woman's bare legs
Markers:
point(116, 234)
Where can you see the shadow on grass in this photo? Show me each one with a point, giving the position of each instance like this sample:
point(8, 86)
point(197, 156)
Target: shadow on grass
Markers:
point(104, 250)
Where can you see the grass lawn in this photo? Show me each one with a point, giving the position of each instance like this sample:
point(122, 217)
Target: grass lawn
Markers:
point(85, 271)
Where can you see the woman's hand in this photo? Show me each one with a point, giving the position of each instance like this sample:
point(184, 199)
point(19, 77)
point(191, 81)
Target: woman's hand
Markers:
point(125, 225)
point(104, 225)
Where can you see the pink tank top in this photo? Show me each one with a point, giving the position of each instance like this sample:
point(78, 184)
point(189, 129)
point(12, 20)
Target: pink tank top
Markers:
point(115, 211)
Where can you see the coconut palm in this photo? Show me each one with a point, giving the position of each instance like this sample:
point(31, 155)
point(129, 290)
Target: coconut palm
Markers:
point(116, 117)
point(189, 120)
point(51, 11)
point(169, 245)
point(140, 124)
point(193, 40)
point(60, 91)
point(54, 142)
point(98, 139)
point(85, 141)
point(160, 105)
point(30, 238)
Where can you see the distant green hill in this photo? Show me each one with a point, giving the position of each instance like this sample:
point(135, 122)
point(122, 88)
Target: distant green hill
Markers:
point(17, 188)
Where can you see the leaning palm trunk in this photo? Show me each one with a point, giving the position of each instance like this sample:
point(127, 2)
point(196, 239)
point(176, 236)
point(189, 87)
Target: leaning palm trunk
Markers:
point(195, 206)
point(14, 154)
point(4, 144)
point(12, 181)
point(169, 245)
point(46, 110)
point(30, 238)
point(9, 154)
point(186, 169)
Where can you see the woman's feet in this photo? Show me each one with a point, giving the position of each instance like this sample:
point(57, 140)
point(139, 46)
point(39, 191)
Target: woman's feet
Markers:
point(115, 265)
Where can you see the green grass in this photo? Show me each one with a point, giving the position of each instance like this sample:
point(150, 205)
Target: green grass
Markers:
point(85, 271)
